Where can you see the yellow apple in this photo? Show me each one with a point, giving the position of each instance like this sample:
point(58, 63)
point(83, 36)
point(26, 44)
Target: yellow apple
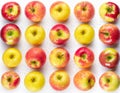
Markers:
point(35, 34)
point(34, 81)
point(84, 34)
point(12, 57)
point(60, 11)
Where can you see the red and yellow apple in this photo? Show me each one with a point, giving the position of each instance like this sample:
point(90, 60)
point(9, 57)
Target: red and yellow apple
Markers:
point(109, 81)
point(11, 11)
point(109, 11)
point(84, 57)
point(60, 11)
point(59, 34)
point(35, 57)
point(59, 80)
point(35, 34)
point(109, 34)
point(10, 34)
point(84, 11)
point(84, 34)
point(10, 80)
point(35, 11)
point(84, 80)
point(12, 57)
point(109, 58)
point(59, 57)
point(34, 81)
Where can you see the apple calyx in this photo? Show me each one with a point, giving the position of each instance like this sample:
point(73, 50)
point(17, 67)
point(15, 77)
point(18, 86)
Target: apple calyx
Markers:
point(60, 55)
point(9, 79)
point(10, 33)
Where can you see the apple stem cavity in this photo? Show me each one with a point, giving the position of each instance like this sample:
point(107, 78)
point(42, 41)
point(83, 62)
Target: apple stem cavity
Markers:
point(59, 77)
point(9, 79)
point(84, 8)
point(33, 79)
point(34, 33)
point(59, 9)
point(59, 32)
point(83, 56)
point(11, 56)
point(10, 33)
point(109, 9)
point(10, 10)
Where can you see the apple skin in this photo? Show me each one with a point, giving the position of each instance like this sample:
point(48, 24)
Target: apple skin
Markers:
point(109, 11)
point(10, 34)
point(34, 81)
point(59, 34)
point(35, 34)
point(59, 57)
point(35, 57)
point(109, 34)
point(60, 11)
point(109, 81)
point(84, 34)
point(84, 11)
point(84, 57)
point(10, 80)
point(59, 80)
point(11, 11)
point(84, 80)
point(35, 11)
point(12, 57)
point(109, 58)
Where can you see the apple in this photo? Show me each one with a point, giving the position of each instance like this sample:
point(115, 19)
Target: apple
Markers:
point(84, 34)
point(59, 80)
point(35, 57)
point(84, 11)
point(10, 34)
point(59, 57)
point(60, 11)
point(109, 11)
point(10, 80)
point(35, 11)
point(109, 81)
point(84, 80)
point(11, 11)
point(12, 57)
point(109, 58)
point(109, 34)
point(59, 34)
point(35, 34)
point(34, 81)
point(84, 57)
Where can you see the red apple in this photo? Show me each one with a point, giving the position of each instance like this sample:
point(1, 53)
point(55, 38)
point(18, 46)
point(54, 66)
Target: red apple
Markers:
point(59, 57)
point(84, 80)
point(11, 11)
point(35, 11)
point(59, 80)
point(109, 34)
point(84, 57)
point(109, 58)
point(35, 58)
point(10, 34)
point(109, 81)
point(109, 11)
point(59, 34)
point(84, 11)
point(10, 80)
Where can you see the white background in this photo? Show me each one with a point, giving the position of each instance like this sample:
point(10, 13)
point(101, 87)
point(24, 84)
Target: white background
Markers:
point(97, 46)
